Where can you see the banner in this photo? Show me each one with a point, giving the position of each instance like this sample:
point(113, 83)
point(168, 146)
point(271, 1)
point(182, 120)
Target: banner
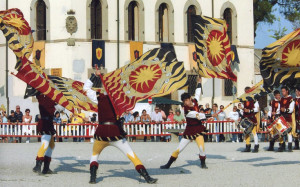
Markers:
point(280, 62)
point(193, 57)
point(156, 73)
point(213, 48)
point(39, 53)
point(98, 53)
point(136, 50)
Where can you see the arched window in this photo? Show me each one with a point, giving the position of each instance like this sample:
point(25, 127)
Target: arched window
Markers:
point(96, 19)
point(191, 11)
point(41, 20)
point(133, 21)
point(163, 23)
point(228, 18)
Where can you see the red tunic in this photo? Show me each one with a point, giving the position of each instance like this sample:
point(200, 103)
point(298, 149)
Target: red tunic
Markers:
point(47, 109)
point(285, 103)
point(250, 115)
point(194, 127)
point(106, 113)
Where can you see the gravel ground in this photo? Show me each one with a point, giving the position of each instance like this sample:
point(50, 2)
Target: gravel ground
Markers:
point(227, 166)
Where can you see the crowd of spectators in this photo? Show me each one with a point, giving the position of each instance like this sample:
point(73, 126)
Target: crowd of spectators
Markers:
point(216, 113)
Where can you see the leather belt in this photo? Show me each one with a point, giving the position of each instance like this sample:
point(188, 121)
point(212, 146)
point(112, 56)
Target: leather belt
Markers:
point(107, 123)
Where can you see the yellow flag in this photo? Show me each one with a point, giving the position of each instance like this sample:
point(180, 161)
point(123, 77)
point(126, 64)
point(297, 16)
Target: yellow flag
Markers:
point(136, 50)
point(39, 53)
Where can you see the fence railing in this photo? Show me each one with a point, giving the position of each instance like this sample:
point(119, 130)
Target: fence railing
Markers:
point(132, 129)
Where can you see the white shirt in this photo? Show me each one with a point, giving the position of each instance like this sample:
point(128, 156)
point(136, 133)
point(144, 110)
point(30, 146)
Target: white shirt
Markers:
point(233, 116)
point(156, 116)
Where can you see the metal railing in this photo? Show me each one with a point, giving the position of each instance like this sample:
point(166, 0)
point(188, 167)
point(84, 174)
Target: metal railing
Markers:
point(132, 129)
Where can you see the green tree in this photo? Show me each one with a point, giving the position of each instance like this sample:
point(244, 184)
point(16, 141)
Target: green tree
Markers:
point(278, 33)
point(263, 11)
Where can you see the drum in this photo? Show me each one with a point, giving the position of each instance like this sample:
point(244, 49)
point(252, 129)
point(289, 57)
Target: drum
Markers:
point(247, 125)
point(282, 126)
point(273, 131)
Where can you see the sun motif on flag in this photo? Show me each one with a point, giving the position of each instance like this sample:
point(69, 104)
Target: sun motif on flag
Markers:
point(144, 78)
point(18, 22)
point(215, 47)
point(291, 54)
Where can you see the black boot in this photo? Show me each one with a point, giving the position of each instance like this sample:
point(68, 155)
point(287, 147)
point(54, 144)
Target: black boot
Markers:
point(148, 179)
point(93, 171)
point(290, 145)
point(38, 166)
point(46, 169)
point(296, 145)
point(167, 166)
point(255, 150)
point(248, 148)
point(202, 161)
point(281, 147)
point(271, 146)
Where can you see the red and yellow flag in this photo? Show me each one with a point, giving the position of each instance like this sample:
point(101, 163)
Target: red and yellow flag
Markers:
point(155, 73)
point(280, 62)
point(213, 48)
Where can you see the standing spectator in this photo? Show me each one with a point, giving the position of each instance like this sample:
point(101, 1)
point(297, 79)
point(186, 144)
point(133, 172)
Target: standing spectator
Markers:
point(27, 118)
point(4, 120)
point(234, 115)
point(156, 117)
point(179, 118)
point(266, 116)
point(145, 118)
point(221, 117)
point(207, 109)
point(77, 120)
point(163, 114)
point(170, 118)
point(135, 119)
point(171, 115)
point(127, 116)
point(240, 110)
point(214, 114)
point(201, 107)
point(12, 120)
point(19, 116)
point(57, 121)
point(93, 118)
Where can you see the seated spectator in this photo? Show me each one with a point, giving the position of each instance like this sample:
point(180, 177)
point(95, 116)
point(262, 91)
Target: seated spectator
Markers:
point(77, 119)
point(94, 118)
point(26, 130)
point(127, 116)
point(171, 119)
point(4, 120)
point(163, 114)
point(214, 114)
point(145, 118)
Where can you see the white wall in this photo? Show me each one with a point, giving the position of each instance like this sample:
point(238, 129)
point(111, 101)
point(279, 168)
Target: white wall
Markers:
point(59, 55)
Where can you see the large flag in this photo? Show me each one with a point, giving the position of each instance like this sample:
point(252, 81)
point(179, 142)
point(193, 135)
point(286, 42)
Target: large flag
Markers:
point(136, 50)
point(280, 62)
point(253, 93)
point(156, 73)
point(98, 53)
point(213, 48)
point(66, 92)
point(39, 53)
point(17, 32)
